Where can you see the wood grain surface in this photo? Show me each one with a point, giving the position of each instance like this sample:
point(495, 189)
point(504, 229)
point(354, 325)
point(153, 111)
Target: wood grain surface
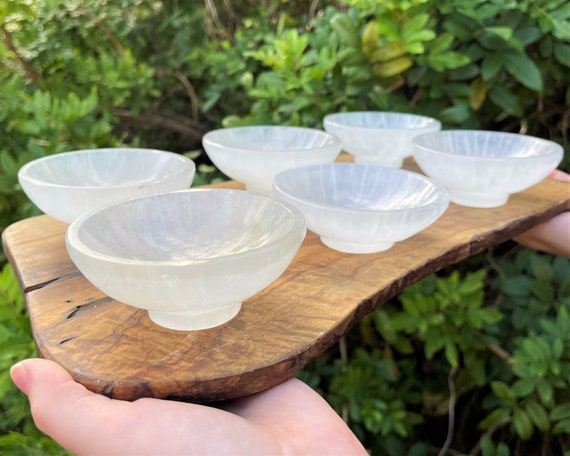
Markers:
point(116, 350)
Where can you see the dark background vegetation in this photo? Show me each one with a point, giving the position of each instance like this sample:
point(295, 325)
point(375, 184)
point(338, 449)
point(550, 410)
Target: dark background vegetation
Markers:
point(473, 360)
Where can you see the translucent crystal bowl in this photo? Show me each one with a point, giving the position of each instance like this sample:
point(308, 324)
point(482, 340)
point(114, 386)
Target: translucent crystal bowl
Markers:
point(69, 184)
point(254, 155)
point(378, 138)
point(190, 258)
point(482, 168)
point(361, 208)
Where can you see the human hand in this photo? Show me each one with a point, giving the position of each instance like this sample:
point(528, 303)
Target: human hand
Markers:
point(552, 236)
point(288, 419)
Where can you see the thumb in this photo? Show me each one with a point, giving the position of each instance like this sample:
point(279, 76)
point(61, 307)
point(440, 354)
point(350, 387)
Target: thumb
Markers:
point(57, 400)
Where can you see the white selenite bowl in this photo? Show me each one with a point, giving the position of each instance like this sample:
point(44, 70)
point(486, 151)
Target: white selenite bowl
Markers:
point(189, 257)
point(254, 155)
point(69, 184)
point(482, 168)
point(361, 208)
point(378, 138)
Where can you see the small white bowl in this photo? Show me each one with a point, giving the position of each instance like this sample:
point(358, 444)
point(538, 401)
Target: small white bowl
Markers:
point(482, 168)
point(254, 155)
point(69, 184)
point(376, 137)
point(190, 257)
point(360, 208)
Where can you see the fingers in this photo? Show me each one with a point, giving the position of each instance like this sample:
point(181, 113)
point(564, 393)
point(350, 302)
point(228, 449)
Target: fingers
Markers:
point(559, 175)
point(86, 423)
point(294, 409)
point(59, 405)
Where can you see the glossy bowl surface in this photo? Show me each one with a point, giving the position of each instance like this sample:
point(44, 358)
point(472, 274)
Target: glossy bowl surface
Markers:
point(254, 155)
point(190, 257)
point(361, 208)
point(69, 184)
point(377, 137)
point(483, 168)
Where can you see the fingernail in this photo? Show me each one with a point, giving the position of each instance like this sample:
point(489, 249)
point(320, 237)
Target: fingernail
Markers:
point(21, 376)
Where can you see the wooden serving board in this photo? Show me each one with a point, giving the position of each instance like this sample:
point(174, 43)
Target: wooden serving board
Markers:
point(118, 351)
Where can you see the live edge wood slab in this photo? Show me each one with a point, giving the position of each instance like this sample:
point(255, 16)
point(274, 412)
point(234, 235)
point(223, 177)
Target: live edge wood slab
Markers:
point(118, 351)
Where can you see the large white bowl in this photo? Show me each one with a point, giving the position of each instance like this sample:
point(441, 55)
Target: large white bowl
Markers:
point(482, 168)
point(254, 155)
point(190, 257)
point(69, 184)
point(360, 208)
point(376, 137)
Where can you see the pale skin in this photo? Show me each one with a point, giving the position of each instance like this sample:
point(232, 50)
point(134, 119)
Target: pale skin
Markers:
point(552, 236)
point(288, 419)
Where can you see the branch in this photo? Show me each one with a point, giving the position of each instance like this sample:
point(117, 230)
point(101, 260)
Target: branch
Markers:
point(191, 93)
point(500, 352)
point(185, 127)
point(7, 38)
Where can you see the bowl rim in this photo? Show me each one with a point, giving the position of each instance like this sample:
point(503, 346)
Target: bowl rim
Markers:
point(298, 227)
point(23, 172)
point(442, 193)
point(210, 138)
point(331, 119)
point(554, 150)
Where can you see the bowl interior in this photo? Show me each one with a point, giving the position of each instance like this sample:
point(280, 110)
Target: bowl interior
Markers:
point(486, 144)
point(189, 226)
point(358, 187)
point(105, 167)
point(269, 138)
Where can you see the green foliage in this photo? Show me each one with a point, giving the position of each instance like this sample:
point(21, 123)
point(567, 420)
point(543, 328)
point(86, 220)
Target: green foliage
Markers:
point(18, 434)
point(450, 328)
point(447, 315)
point(159, 74)
point(535, 293)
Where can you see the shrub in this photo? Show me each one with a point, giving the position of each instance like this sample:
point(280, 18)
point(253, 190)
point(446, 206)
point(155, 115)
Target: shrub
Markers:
point(483, 347)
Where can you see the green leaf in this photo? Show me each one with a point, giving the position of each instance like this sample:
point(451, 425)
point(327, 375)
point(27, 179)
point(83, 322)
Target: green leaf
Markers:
point(503, 392)
point(487, 446)
point(562, 427)
point(545, 392)
point(506, 100)
point(560, 412)
point(537, 415)
point(522, 423)
point(393, 67)
point(503, 450)
point(562, 53)
point(455, 114)
point(451, 353)
point(345, 30)
point(523, 387)
point(494, 417)
point(542, 291)
point(521, 67)
point(447, 60)
point(563, 321)
point(491, 65)
point(505, 33)
point(442, 43)
point(432, 346)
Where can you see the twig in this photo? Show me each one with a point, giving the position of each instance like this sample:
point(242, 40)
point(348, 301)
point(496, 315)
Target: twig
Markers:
point(185, 127)
point(451, 420)
point(499, 351)
point(191, 94)
point(32, 74)
point(312, 10)
point(216, 22)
